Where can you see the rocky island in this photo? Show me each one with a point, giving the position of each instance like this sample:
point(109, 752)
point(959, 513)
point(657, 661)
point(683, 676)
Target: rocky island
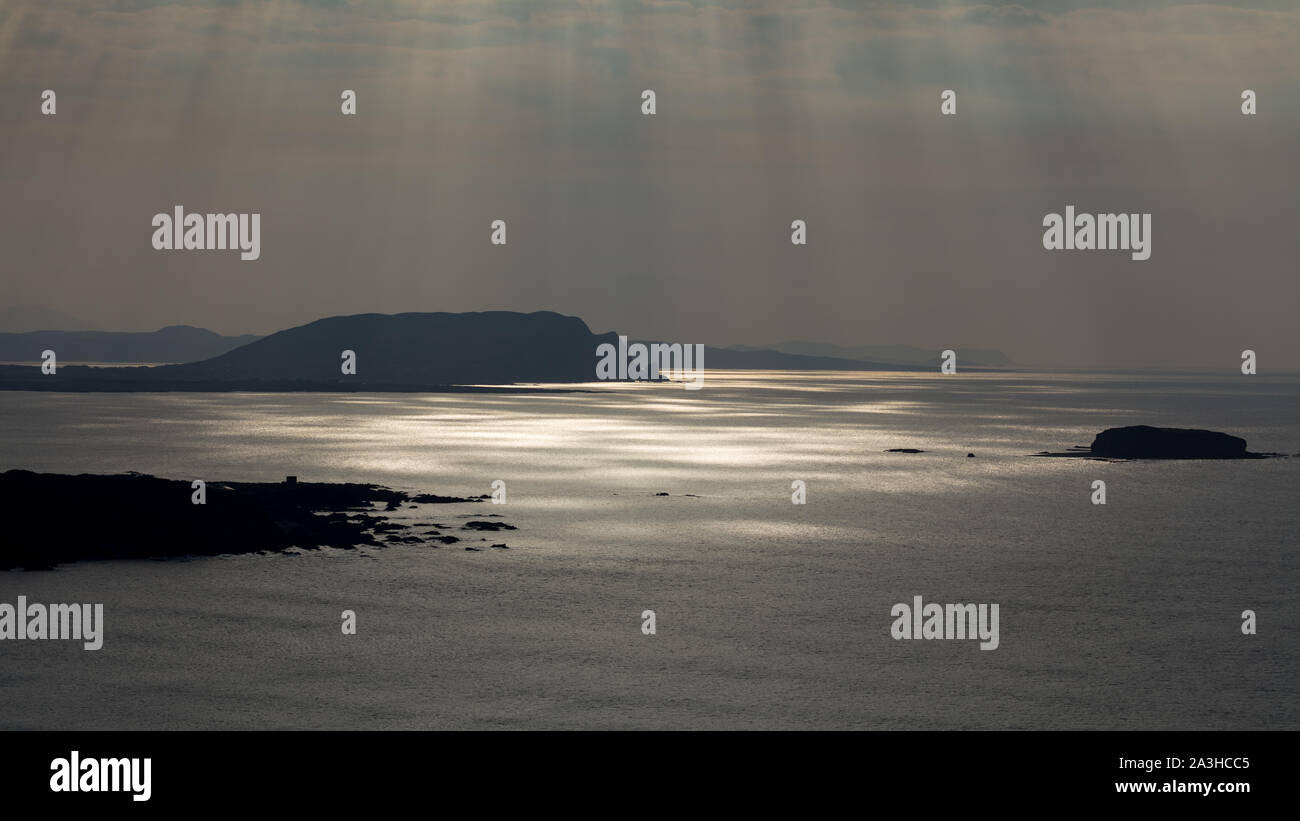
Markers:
point(1147, 442)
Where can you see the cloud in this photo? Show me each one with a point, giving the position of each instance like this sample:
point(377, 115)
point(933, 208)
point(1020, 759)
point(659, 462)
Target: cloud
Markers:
point(1010, 15)
point(36, 36)
point(474, 109)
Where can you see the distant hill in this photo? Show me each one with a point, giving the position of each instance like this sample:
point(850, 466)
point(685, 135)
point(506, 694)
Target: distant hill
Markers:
point(176, 343)
point(394, 352)
point(768, 360)
point(891, 354)
point(492, 347)
point(21, 318)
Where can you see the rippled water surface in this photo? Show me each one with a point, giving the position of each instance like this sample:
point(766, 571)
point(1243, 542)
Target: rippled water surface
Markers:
point(769, 614)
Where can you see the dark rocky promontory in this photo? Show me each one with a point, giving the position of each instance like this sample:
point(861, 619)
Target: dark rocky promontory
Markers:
point(57, 518)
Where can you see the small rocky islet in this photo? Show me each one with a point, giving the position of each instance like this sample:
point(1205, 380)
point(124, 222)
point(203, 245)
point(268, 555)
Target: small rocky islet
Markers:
point(61, 518)
point(1148, 442)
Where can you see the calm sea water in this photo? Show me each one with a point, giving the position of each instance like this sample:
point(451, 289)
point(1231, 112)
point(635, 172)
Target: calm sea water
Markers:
point(769, 614)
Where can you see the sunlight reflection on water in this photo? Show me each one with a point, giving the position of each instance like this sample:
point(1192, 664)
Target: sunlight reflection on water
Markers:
point(770, 614)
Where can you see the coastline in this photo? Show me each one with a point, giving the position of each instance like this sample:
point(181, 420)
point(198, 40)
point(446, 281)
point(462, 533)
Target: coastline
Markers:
point(137, 516)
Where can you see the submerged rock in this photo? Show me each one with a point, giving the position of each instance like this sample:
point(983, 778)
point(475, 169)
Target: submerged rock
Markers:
point(435, 499)
point(476, 525)
point(404, 540)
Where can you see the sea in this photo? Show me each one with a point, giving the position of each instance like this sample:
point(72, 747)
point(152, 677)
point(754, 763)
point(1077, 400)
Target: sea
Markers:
point(767, 614)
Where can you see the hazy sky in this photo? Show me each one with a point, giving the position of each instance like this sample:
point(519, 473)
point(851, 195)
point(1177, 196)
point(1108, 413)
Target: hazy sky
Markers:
point(923, 229)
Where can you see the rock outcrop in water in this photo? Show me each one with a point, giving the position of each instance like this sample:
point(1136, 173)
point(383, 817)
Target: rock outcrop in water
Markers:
point(58, 518)
point(1147, 442)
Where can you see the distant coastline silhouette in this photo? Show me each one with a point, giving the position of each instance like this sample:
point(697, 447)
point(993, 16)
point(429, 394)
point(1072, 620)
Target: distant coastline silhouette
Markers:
point(395, 352)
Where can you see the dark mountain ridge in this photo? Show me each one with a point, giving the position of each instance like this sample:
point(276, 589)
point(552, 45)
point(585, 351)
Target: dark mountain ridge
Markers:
point(486, 347)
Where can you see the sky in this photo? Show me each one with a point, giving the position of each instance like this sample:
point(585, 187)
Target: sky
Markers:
point(922, 228)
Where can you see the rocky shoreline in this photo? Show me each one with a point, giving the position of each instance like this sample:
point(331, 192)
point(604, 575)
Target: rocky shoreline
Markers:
point(60, 518)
